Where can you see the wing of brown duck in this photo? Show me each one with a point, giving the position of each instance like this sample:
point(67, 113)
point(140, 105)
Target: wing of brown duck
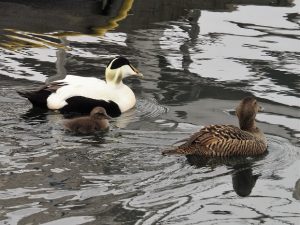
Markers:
point(221, 140)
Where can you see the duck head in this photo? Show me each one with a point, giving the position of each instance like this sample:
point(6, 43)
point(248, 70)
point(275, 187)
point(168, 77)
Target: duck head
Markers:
point(118, 69)
point(246, 112)
point(99, 113)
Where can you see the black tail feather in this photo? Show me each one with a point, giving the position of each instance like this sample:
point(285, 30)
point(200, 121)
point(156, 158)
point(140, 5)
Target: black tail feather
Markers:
point(37, 98)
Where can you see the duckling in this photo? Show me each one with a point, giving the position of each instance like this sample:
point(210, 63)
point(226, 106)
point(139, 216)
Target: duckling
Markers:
point(81, 94)
point(96, 121)
point(228, 140)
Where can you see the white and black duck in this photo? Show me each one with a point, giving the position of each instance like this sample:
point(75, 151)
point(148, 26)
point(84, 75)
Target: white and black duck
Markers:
point(82, 94)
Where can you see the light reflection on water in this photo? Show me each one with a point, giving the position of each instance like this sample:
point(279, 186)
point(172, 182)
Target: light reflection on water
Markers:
point(197, 66)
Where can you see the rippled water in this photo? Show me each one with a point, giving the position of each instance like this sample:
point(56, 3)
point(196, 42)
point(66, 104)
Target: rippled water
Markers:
point(199, 59)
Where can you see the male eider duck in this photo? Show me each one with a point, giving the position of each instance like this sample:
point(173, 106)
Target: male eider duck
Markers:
point(81, 94)
point(97, 121)
point(228, 140)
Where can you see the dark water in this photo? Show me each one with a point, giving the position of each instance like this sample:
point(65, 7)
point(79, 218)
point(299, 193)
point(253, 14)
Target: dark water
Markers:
point(199, 58)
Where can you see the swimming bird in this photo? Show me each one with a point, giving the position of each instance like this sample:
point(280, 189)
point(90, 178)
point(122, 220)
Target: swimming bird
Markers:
point(81, 94)
point(96, 121)
point(228, 140)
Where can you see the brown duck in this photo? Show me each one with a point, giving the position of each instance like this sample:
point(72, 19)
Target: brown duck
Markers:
point(228, 140)
point(96, 121)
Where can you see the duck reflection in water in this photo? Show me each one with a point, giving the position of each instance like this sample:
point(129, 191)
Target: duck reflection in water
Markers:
point(35, 114)
point(296, 192)
point(243, 179)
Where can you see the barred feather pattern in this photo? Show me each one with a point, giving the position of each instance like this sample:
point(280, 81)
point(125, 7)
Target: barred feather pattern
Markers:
point(223, 140)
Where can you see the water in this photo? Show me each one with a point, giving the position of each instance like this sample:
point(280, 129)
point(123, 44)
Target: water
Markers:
point(199, 59)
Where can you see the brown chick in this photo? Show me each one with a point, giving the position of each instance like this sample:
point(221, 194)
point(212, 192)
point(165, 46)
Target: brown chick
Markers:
point(96, 121)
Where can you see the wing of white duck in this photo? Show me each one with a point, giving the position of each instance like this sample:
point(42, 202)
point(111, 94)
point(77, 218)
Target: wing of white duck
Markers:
point(73, 80)
point(75, 86)
point(39, 97)
point(81, 95)
point(122, 95)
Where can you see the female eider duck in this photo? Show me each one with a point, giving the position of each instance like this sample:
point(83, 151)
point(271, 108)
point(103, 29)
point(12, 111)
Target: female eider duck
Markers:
point(228, 140)
point(97, 121)
point(81, 94)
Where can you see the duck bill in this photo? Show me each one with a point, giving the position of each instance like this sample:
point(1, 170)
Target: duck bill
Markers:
point(261, 109)
point(107, 117)
point(137, 72)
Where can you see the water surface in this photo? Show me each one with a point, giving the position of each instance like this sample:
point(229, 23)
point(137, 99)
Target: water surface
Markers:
point(199, 59)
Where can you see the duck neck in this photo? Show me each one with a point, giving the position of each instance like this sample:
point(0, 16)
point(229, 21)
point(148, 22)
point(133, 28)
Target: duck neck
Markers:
point(113, 77)
point(114, 84)
point(248, 125)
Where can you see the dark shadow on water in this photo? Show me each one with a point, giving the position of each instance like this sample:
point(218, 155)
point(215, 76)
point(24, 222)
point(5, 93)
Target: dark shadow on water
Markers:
point(40, 114)
point(243, 179)
point(35, 114)
point(97, 137)
point(89, 15)
point(296, 192)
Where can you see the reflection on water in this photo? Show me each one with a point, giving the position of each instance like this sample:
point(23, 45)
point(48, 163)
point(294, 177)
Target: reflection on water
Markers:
point(243, 180)
point(199, 59)
point(296, 193)
point(61, 56)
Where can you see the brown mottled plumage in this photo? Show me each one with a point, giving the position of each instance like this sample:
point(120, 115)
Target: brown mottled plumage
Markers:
point(228, 140)
point(97, 121)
